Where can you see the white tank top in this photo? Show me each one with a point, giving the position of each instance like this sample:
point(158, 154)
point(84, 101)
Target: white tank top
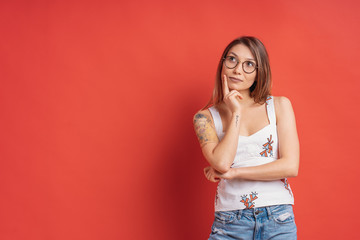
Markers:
point(254, 150)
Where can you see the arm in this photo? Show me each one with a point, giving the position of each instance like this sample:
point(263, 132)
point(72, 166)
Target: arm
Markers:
point(220, 154)
point(288, 163)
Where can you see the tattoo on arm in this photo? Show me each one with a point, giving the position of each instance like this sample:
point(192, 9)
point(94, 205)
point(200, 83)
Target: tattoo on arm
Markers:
point(204, 129)
point(237, 120)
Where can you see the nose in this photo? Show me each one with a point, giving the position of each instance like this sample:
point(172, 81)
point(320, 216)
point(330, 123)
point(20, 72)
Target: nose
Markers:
point(238, 69)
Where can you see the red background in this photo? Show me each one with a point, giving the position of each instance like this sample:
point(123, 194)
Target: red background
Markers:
point(97, 99)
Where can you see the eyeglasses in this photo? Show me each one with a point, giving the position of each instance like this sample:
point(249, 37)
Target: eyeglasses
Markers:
point(231, 62)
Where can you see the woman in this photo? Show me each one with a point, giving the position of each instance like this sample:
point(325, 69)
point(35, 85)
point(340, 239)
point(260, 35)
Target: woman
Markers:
point(249, 138)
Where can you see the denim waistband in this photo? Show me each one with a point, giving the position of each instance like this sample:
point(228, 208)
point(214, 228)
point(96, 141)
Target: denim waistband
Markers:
point(259, 212)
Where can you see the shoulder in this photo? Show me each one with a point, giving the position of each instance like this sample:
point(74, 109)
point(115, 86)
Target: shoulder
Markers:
point(202, 115)
point(281, 102)
point(283, 106)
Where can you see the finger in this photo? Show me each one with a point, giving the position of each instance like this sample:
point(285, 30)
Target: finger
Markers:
point(240, 96)
point(232, 92)
point(233, 96)
point(211, 176)
point(214, 179)
point(208, 176)
point(235, 92)
point(228, 96)
point(214, 176)
point(236, 95)
point(225, 85)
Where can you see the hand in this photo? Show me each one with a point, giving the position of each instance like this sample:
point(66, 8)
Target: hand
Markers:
point(226, 175)
point(214, 176)
point(231, 98)
point(210, 174)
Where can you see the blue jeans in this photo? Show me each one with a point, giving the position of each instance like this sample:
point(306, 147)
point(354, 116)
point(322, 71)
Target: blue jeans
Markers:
point(273, 222)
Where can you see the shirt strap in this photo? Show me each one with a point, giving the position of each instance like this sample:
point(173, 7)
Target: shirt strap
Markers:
point(271, 109)
point(217, 121)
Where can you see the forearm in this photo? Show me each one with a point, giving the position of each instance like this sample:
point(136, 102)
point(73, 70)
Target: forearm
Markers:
point(224, 153)
point(279, 169)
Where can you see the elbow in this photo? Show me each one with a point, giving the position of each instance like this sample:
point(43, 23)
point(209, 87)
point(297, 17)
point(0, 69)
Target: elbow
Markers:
point(222, 164)
point(290, 167)
point(293, 172)
point(222, 168)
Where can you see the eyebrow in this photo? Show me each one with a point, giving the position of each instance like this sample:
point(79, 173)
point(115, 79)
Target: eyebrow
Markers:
point(245, 58)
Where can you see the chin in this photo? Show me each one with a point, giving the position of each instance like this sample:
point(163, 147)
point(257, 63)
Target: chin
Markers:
point(237, 87)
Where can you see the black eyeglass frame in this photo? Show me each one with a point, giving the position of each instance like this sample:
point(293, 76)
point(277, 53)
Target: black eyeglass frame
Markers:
point(242, 65)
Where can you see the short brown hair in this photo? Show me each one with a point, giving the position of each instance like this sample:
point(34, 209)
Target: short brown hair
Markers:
point(261, 88)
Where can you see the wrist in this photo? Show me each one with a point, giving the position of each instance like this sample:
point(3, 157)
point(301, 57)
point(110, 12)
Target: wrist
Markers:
point(234, 173)
point(236, 117)
point(236, 113)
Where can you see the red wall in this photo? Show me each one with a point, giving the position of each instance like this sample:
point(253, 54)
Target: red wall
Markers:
point(97, 100)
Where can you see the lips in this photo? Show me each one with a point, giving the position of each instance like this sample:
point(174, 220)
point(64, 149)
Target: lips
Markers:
point(235, 79)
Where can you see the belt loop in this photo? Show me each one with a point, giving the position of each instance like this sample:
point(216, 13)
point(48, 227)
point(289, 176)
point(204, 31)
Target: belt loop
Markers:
point(268, 210)
point(239, 215)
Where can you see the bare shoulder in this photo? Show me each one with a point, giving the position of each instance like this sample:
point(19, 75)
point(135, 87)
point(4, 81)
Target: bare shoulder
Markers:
point(282, 103)
point(202, 115)
point(283, 106)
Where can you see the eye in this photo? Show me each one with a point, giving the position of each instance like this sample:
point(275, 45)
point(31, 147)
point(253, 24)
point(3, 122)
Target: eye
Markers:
point(232, 59)
point(250, 64)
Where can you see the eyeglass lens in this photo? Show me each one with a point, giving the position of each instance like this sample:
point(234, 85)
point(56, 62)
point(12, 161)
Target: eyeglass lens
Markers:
point(247, 66)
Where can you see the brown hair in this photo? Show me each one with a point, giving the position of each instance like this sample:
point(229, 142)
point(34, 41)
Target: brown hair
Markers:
point(261, 88)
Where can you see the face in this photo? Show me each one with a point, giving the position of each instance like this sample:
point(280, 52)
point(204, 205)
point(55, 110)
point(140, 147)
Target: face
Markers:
point(237, 78)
